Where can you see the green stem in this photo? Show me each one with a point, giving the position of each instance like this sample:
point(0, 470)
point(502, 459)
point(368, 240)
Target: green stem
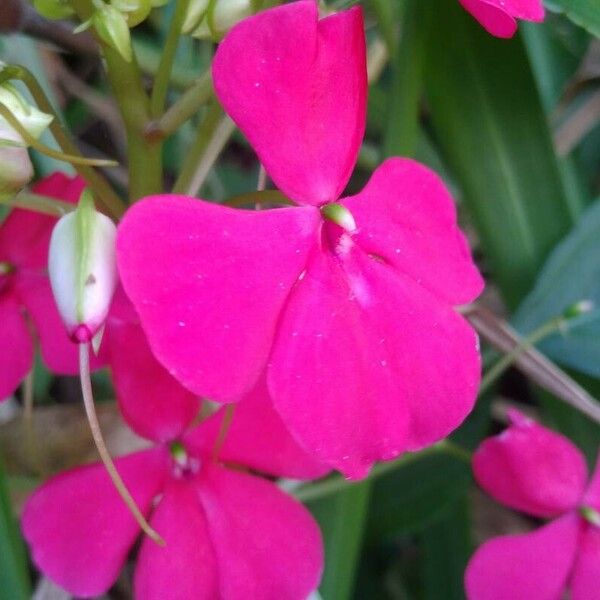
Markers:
point(163, 76)
point(259, 197)
point(103, 191)
point(521, 348)
point(38, 203)
point(213, 133)
point(145, 159)
point(185, 107)
point(335, 483)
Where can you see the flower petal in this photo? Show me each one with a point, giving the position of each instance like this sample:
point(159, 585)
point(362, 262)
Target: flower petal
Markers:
point(406, 216)
point(78, 527)
point(267, 544)
point(531, 468)
point(209, 283)
point(16, 347)
point(154, 404)
point(586, 572)
point(297, 88)
point(367, 364)
point(592, 494)
point(526, 566)
point(257, 438)
point(186, 567)
point(498, 16)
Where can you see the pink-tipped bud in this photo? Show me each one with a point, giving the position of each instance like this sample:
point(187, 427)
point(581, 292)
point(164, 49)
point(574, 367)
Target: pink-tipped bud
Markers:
point(82, 268)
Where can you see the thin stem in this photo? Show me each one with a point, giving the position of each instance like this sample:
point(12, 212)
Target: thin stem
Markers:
point(103, 191)
point(262, 179)
point(523, 346)
point(88, 401)
point(163, 75)
point(225, 425)
point(262, 197)
point(28, 397)
point(38, 203)
point(335, 483)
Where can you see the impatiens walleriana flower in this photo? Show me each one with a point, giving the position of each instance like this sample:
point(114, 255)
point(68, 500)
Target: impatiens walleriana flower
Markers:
point(25, 296)
point(499, 17)
point(539, 472)
point(229, 534)
point(347, 304)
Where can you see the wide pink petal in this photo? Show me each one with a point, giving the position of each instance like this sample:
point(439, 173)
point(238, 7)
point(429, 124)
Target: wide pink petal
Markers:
point(530, 566)
point(16, 347)
point(153, 403)
point(186, 567)
point(59, 353)
point(209, 283)
point(367, 364)
point(78, 528)
point(267, 544)
point(406, 216)
point(25, 235)
point(585, 579)
point(531, 468)
point(498, 16)
point(257, 438)
point(592, 494)
point(297, 88)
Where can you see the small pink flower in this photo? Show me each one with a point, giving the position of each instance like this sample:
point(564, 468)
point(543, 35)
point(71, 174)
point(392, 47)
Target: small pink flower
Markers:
point(537, 471)
point(25, 292)
point(499, 17)
point(228, 533)
point(347, 304)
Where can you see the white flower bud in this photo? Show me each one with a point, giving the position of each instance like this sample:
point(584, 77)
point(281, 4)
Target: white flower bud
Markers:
point(15, 165)
point(134, 11)
point(82, 268)
point(31, 118)
point(225, 14)
point(111, 26)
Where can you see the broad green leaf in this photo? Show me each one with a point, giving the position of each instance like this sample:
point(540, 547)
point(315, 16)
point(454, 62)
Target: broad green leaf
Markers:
point(408, 499)
point(571, 275)
point(446, 547)
point(342, 520)
point(489, 121)
point(586, 13)
point(13, 560)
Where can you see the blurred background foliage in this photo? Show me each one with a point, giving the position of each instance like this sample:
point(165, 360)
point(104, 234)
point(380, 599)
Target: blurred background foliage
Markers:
point(513, 126)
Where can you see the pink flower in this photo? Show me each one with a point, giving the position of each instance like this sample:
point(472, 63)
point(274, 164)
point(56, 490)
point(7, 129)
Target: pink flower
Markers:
point(539, 472)
point(499, 17)
point(365, 356)
point(25, 296)
point(228, 533)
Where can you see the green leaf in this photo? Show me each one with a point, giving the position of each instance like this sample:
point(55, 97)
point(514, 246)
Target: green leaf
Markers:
point(489, 121)
point(586, 13)
point(571, 274)
point(13, 560)
point(408, 499)
point(342, 520)
point(446, 547)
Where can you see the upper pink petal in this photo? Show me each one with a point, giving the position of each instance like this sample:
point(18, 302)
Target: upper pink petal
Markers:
point(297, 88)
point(367, 364)
point(59, 352)
point(498, 16)
point(78, 527)
point(406, 216)
point(586, 572)
point(209, 282)
point(530, 566)
point(153, 403)
point(186, 567)
point(267, 544)
point(531, 468)
point(257, 438)
point(16, 347)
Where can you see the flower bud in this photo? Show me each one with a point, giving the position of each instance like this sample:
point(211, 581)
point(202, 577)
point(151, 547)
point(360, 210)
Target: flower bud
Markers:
point(54, 9)
point(31, 118)
point(82, 268)
point(134, 11)
point(340, 215)
point(15, 165)
point(578, 308)
point(205, 22)
point(113, 30)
